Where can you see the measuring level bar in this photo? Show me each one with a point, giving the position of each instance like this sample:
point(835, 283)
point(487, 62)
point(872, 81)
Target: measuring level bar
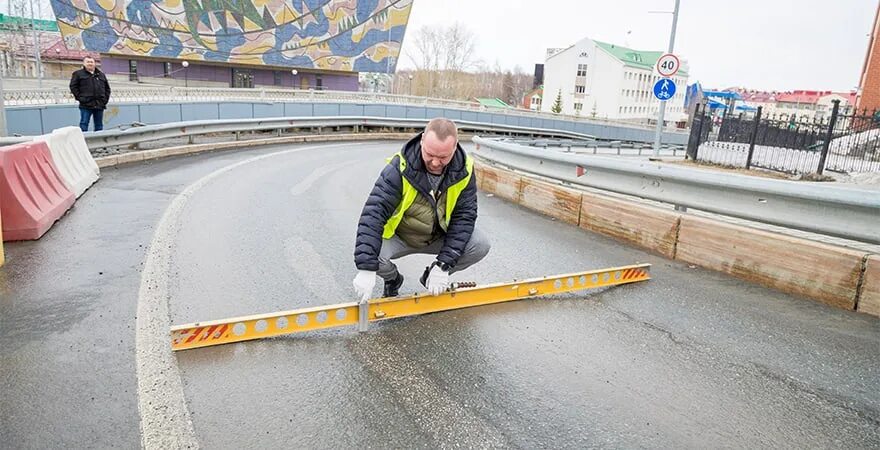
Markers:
point(238, 329)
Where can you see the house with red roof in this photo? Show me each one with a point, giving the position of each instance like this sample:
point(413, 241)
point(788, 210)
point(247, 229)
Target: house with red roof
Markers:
point(804, 104)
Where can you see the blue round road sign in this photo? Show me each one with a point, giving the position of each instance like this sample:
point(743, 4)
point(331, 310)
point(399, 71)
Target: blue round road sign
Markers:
point(664, 89)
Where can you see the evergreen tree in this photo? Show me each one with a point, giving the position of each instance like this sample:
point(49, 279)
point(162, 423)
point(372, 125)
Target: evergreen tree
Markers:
point(557, 105)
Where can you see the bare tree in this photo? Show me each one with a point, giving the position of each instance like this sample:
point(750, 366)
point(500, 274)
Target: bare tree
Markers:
point(460, 45)
point(446, 66)
point(443, 55)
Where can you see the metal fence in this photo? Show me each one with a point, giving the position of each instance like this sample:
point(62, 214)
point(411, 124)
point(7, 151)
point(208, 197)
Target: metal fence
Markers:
point(842, 142)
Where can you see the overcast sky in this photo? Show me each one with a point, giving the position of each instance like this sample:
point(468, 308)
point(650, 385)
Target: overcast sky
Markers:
point(759, 44)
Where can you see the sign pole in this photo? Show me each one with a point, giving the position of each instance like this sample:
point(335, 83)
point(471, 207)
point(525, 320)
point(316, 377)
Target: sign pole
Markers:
point(658, 132)
point(3, 130)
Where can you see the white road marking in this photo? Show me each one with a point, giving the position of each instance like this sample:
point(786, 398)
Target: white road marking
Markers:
point(164, 418)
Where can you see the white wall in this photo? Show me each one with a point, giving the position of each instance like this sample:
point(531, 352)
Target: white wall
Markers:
point(558, 78)
point(608, 82)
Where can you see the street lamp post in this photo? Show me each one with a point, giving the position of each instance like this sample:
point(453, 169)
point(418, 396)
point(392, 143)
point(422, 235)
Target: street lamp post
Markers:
point(410, 84)
point(185, 64)
point(293, 72)
point(658, 132)
point(37, 63)
point(2, 111)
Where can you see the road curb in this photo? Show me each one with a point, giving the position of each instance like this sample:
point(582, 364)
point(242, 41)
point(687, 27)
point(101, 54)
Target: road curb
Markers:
point(834, 275)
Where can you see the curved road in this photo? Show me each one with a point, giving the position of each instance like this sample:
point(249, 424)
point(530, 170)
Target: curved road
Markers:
point(689, 359)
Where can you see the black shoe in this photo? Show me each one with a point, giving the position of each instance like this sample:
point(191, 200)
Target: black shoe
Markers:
point(393, 287)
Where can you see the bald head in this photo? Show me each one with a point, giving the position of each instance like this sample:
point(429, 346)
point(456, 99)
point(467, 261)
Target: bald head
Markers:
point(442, 128)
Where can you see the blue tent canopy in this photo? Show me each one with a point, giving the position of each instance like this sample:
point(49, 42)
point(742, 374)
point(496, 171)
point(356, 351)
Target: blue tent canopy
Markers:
point(713, 104)
point(722, 94)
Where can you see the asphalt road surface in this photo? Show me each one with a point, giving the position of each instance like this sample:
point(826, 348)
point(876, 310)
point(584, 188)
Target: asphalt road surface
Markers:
point(689, 359)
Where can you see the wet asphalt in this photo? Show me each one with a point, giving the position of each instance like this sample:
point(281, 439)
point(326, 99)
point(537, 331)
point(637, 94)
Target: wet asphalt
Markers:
point(689, 359)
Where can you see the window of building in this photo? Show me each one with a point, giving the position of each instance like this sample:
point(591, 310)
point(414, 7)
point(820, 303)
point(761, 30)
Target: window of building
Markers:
point(582, 70)
point(277, 77)
point(580, 89)
point(578, 107)
point(167, 69)
point(319, 83)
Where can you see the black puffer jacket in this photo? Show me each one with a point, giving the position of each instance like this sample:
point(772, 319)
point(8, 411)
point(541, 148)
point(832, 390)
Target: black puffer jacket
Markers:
point(91, 90)
point(387, 193)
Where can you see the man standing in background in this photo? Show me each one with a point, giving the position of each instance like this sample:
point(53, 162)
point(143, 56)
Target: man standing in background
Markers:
point(92, 90)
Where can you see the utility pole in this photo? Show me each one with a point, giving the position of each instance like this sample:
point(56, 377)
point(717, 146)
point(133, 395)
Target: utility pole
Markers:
point(658, 132)
point(38, 65)
point(2, 110)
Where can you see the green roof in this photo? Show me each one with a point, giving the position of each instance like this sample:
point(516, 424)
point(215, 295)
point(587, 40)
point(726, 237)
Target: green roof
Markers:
point(633, 58)
point(492, 102)
point(17, 23)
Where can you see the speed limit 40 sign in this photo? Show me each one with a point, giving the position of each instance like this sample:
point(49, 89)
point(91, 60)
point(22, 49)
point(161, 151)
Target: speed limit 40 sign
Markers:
point(668, 65)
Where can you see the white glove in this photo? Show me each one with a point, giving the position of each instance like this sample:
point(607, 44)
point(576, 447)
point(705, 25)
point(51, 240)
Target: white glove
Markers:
point(438, 280)
point(364, 283)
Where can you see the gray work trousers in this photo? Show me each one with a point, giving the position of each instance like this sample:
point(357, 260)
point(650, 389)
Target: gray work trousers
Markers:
point(476, 249)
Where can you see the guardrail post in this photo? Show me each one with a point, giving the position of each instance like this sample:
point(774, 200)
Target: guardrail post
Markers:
point(753, 137)
point(827, 144)
point(56, 96)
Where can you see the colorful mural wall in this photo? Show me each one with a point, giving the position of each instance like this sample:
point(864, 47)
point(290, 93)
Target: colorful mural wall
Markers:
point(348, 35)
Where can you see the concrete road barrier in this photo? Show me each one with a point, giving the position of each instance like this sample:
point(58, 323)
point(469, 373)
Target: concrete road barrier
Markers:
point(2, 254)
point(797, 266)
point(869, 301)
point(837, 276)
point(32, 193)
point(652, 228)
point(502, 183)
point(550, 199)
point(72, 158)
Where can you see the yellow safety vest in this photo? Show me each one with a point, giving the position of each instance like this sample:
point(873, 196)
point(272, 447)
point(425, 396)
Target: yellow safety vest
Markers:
point(410, 193)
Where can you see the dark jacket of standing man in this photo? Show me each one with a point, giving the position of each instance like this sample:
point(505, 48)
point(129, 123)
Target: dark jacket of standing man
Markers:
point(92, 90)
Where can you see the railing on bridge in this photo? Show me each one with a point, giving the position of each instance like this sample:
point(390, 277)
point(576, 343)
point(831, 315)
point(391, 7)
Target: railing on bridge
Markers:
point(154, 94)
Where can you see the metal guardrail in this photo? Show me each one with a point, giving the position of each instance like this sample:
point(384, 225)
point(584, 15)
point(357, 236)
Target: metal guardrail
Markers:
point(831, 210)
point(139, 134)
point(153, 94)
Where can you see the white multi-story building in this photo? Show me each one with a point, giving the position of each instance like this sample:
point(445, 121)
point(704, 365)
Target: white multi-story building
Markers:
point(596, 79)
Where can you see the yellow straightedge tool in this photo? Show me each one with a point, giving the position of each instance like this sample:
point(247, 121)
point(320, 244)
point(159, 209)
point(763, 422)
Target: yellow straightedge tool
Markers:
point(237, 329)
